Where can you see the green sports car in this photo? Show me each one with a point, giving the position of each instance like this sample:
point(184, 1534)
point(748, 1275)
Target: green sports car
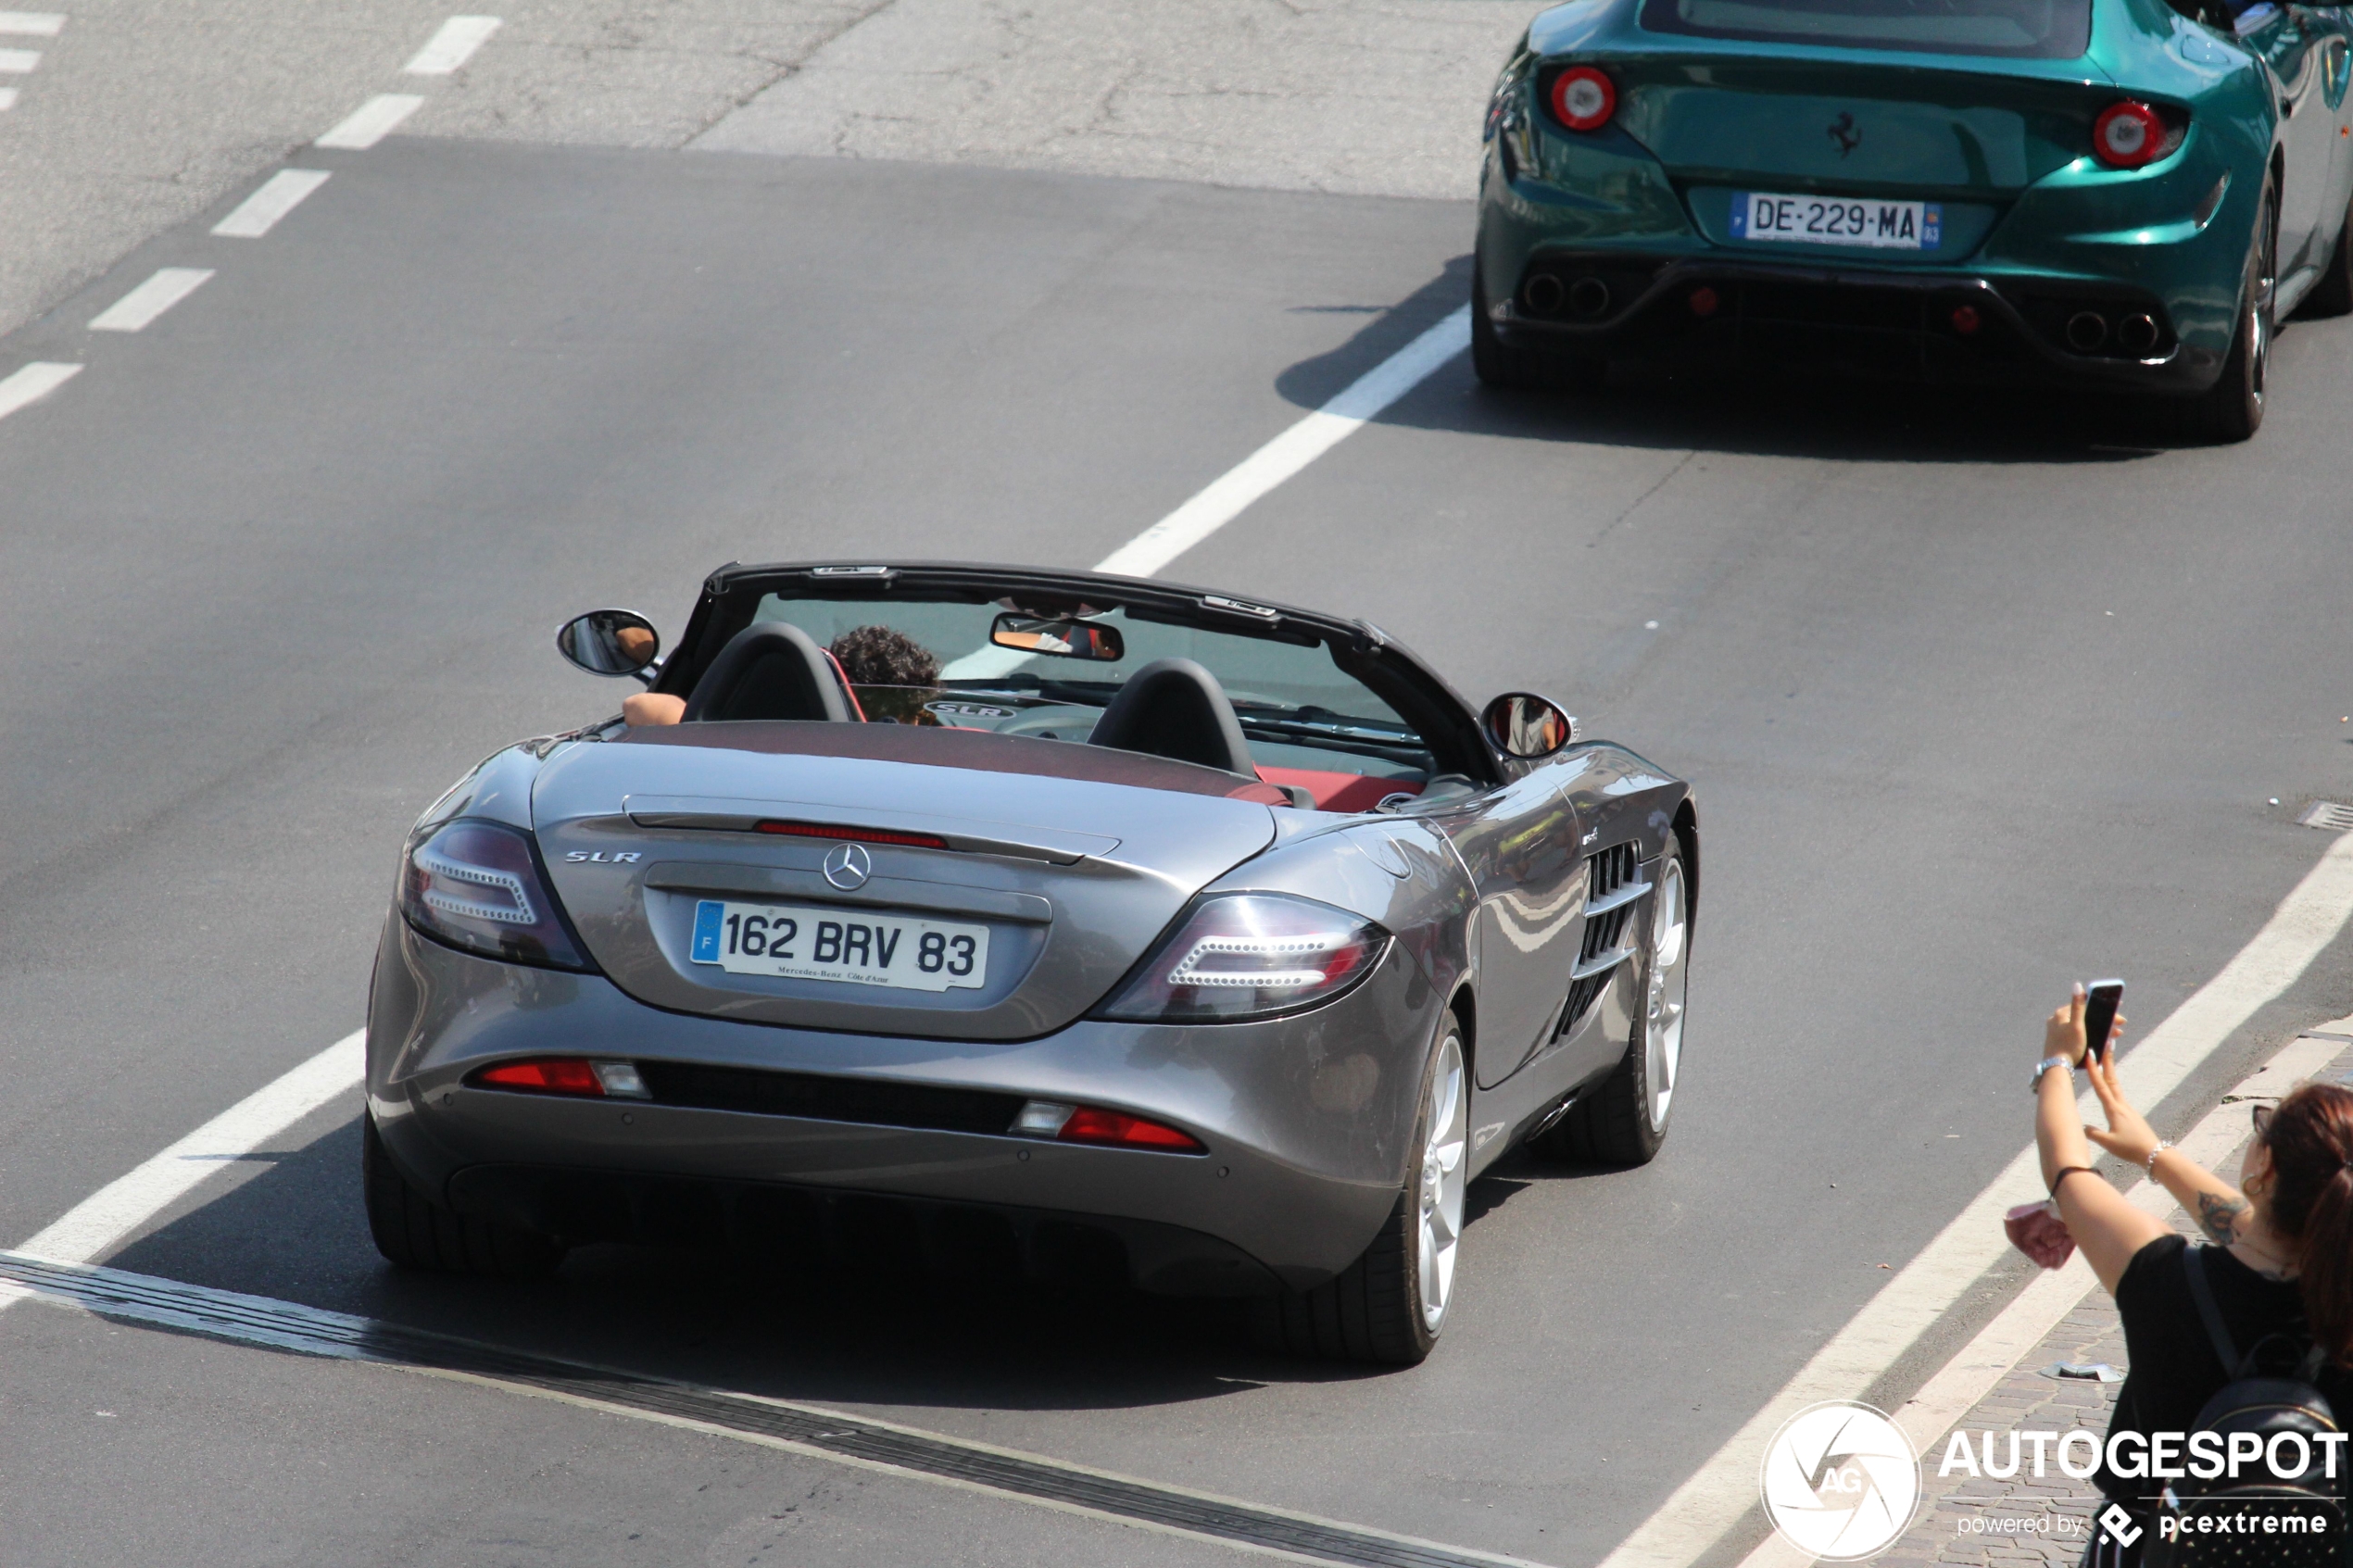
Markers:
point(2119, 194)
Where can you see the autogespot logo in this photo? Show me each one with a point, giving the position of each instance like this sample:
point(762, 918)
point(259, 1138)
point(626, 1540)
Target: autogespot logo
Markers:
point(1840, 1481)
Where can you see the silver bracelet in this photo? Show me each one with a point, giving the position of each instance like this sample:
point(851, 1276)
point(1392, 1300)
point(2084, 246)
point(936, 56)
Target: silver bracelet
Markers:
point(2150, 1163)
point(2035, 1084)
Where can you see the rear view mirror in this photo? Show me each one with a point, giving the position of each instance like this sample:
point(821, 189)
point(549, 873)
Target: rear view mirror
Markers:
point(610, 642)
point(1525, 726)
point(1065, 639)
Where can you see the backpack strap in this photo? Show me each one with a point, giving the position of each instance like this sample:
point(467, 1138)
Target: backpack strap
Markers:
point(2202, 1292)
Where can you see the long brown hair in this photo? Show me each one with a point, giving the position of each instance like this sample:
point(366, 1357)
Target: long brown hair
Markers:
point(2311, 1142)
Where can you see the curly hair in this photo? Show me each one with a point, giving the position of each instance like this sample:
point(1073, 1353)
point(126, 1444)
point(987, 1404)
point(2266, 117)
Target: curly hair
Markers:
point(882, 656)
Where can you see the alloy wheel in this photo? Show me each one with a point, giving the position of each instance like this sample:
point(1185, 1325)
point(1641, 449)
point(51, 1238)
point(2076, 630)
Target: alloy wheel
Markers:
point(1445, 1175)
point(1669, 984)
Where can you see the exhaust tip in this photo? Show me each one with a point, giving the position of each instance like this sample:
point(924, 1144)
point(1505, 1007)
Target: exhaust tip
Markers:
point(1543, 294)
point(2137, 333)
point(2086, 330)
point(1588, 296)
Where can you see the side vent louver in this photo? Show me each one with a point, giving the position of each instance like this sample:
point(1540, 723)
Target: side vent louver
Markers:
point(1612, 890)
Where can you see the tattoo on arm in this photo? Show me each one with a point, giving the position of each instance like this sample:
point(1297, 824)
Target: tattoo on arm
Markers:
point(2221, 1217)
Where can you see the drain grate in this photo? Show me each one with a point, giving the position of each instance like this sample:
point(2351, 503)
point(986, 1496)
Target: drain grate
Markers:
point(2328, 815)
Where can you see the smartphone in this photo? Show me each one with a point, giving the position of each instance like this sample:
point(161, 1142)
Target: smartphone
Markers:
point(2101, 999)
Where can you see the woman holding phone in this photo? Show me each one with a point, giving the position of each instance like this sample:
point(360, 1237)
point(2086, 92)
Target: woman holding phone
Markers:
point(2278, 1253)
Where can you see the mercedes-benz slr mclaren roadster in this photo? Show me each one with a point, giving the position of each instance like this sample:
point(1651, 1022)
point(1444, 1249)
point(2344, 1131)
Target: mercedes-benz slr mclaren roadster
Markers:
point(1078, 925)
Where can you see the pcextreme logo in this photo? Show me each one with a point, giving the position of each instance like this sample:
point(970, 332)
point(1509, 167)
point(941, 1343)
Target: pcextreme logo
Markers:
point(1840, 1481)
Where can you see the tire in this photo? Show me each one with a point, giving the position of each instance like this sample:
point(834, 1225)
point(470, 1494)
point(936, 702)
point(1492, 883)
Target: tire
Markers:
point(1509, 368)
point(414, 1231)
point(2232, 408)
point(2333, 295)
point(1380, 1308)
point(1625, 1121)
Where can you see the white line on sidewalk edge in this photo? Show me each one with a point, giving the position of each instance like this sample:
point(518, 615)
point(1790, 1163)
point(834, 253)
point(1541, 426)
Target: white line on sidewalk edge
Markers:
point(32, 384)
point(370, 123)
point(1720, 1495)
point(1227, 495)
point(279, 194)
point(150, 299)
point(452, 46)
point(33, 24)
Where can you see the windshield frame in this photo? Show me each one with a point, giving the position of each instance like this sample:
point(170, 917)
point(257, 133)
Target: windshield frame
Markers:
point(731, 596)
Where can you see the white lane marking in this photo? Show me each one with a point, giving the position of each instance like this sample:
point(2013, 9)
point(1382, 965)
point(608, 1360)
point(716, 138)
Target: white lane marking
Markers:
point(371, 122)
point(1717, 1497)
point(111, 1213)
point(32, 384)
point(17, 62)
point(452, 46)
point(33, 24)
point(150, 299)
point(1957, 1388)
point(1229, 494)
point(7, 97)
point(279, 194)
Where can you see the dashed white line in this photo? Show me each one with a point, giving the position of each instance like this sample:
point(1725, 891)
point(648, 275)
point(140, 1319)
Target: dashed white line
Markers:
point(17, 62)
point(33, 24)
point(32, 384)
point(7, 97)
point(371, 122)
point(1232, 492)
point(279, 194)
point(150, 299)
point(1720, 1495)
point(452, 46)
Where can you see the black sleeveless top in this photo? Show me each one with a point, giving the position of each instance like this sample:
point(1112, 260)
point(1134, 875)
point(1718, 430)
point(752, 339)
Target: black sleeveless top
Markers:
point(2173, 1368)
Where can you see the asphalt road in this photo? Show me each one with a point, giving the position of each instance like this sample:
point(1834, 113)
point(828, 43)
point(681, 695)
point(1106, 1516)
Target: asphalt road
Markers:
point(1979, 697)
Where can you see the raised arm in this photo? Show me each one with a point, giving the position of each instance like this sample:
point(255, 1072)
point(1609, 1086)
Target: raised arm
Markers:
point(2220, 1209)
point(2108, 1229)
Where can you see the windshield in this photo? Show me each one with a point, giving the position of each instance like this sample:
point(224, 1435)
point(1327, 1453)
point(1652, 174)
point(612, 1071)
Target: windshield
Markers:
point(2022, 29)
point(931, 663)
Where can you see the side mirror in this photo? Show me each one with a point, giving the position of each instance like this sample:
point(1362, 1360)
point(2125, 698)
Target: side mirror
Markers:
point(1064, 638)
point(1525, 726)
point(610, 642)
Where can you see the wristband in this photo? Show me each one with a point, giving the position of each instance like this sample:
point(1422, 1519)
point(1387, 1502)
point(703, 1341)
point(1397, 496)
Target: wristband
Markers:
point(2035, 1083)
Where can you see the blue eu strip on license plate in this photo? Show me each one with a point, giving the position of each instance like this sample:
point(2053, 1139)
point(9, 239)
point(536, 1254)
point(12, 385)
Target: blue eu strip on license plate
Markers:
point(1870, 222)
point(709, 914)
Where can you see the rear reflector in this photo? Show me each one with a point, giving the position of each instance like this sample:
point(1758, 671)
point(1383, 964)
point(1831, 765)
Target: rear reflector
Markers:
point(1084, 1123)
point(565, 1075)
point(854, 835)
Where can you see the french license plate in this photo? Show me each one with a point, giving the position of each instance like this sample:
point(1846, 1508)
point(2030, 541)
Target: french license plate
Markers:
point(1838, 221)
point(863, 949)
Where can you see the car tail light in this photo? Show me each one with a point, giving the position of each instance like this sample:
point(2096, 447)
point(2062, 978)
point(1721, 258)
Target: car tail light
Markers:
point(565, 1075)
point(1583, 98)
point(1250, 955)
point(477, 885)
point(1086, 1124)
point(2129, 135)
point(853, 835)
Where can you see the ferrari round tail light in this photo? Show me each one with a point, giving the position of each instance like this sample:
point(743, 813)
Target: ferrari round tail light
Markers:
point(476, 884)
point(1250, 955)
point(565, 1075)
point(2128, 136)
point(1087, 1123)
point(1584, 98)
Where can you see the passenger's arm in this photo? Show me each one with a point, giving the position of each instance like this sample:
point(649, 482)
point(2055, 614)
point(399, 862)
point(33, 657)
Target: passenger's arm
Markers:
point(2108, 1229)
point(652, 708)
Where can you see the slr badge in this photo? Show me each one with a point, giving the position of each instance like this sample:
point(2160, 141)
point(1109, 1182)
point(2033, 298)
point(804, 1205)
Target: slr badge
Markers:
point(849, 866)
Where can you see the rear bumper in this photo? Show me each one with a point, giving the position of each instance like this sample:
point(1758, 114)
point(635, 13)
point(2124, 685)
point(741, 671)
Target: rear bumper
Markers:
point(1306, 1120)
point(1912, 325)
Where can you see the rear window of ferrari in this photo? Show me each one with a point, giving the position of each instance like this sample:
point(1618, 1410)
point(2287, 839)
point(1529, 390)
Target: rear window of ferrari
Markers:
point(2039, 30)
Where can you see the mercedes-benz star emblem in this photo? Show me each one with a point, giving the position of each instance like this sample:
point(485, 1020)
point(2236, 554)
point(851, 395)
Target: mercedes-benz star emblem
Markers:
point(849, 865)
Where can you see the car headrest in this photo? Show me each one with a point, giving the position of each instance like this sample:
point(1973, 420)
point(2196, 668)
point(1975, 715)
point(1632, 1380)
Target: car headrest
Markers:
point(768, 671)
point(1174, 709)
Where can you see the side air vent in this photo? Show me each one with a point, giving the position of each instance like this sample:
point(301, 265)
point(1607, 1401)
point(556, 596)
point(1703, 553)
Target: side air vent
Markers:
point(1612, 890)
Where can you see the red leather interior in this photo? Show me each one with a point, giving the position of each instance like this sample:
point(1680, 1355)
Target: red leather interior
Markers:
point(1340, 792)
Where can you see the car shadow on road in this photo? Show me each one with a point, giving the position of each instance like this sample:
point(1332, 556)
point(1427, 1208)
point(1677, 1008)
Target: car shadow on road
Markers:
point(1733, 410)
point(802, 1329)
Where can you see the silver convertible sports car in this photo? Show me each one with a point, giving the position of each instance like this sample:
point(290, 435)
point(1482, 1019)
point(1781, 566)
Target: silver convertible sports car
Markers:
point(1075, 925)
